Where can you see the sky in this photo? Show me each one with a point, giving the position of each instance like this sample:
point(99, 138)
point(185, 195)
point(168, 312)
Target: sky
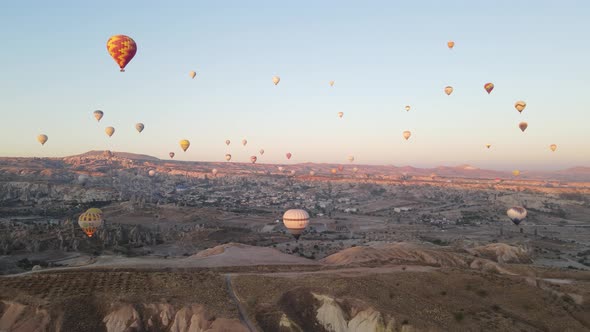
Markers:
point(55, 71)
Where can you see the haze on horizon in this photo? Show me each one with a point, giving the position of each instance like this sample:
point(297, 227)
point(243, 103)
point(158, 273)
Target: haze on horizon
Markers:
point(382, 57)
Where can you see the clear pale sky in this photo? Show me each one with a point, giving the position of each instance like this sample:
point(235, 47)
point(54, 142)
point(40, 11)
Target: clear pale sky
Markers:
point(55, 71)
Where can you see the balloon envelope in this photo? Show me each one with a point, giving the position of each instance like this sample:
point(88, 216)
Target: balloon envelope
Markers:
point(90, 221)
point(516, 214)
point(109, 131)
point(488, 146)
point(523, 126)
point(171, 154)
point(450, 44)
point(228, 157)
point(407, 134)
point(139, 127)
point(331, 83)
point(288, 155)
point(261, 151)
point(192, 74)
point(520, 106)
point(244, 142)
point(42, 139)
point(516, 172)
point(98, 115)
point(340, 114)
point(296, 221)
point(152, 173)
point(448, 90)
point(553, 147)
point(276, 80)
point(184, 144)
point(489, 87)
point(253, 159)
point(227, 142)
point(122, 49)
point(408, 108)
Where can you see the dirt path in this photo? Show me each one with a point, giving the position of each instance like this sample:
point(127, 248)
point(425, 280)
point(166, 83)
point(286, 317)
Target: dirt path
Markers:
point(243, 315)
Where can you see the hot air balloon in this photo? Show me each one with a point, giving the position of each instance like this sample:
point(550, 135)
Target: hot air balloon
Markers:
point(408, 108)
point(448, 90)
point(523, 125)
point(139, 127)
point(516, 172)
point(276, 80)
point(171, 154)
point(42, 139)
point(83, 179)
point(90, 221)
point(489, 87)
point(214, 171)
point(261, 151)
point(227, 157)
point(351, 158)
point(520, 105)
point(293, 172)
point(331, 83)
point(450, 44)
point(340, 168)
point(334, 171)
point(227, 142)
point(110, 131)
point(184, 144)
point(296, 221)
point(355, 169)
point(151, 173)
point(488, 146)
point(553, 147)
point(98, 115)
point(122, 49)
point(407, 134)
point(312, 173)
point(192, 74)
point(288, 155)
point(340, 114)
point(244, 142)
point(516, 214)
point(432, 176)
point(253, 159)
point(281, 168)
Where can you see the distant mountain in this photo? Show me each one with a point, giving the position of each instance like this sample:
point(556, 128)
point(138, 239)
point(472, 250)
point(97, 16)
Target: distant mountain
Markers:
point(127, 155)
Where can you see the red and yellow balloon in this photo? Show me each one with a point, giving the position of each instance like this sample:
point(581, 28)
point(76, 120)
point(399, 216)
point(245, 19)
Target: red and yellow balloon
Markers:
point(122, 49)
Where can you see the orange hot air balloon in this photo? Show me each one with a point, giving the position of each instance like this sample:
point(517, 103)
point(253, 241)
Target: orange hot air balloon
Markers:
point(488, 146)
point(489, 87)
point(516, 172)
point(90, 221)
point(450, 44)
point(553, 147)
point(122, 49)
point(333, 171)
point(523, 126)
point(288, 155)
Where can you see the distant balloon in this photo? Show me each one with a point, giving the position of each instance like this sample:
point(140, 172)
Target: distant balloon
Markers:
point(98, 115)
point(83, 179)
point(139, 127)
point(516, 172)
point(432, 176)
point(151, 173)
point(184, 144)
point(450, 44)
point(253, 159)
point(90, 221)
point(296, 221)
point(276, 80)
point(244, 142)
point(192, 74)
point(334, 171)
point(340, 114)
point(523, 126)
point(407, 134)
point(122, 49)
point(214, 171)
point(553, 147)
point(293, 172)
point(42, 139)
point(288, 155)
point(516, 214)
point(227, 157)
point(351, 158)
point(331, 83)
point(488, 87)
point(355, 169)
point(281, 168)
point(520, 105)
point(312, 173)
point(408, 107)
point(488, 146)
point(448, 90)
point(340, 168)
point(171, 154)
point(261, 151)
point(110, 131)
point(227, 142)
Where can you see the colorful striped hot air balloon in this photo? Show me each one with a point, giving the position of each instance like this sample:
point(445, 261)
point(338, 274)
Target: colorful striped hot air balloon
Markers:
point(489, 87)
point(90, 221)
point(296, 221)
point(122, 49)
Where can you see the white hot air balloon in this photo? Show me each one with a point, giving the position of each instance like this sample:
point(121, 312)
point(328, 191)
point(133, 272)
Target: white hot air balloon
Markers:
point(227, 157)
point(296, 221)
point(276, 80)
point(516, 214)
